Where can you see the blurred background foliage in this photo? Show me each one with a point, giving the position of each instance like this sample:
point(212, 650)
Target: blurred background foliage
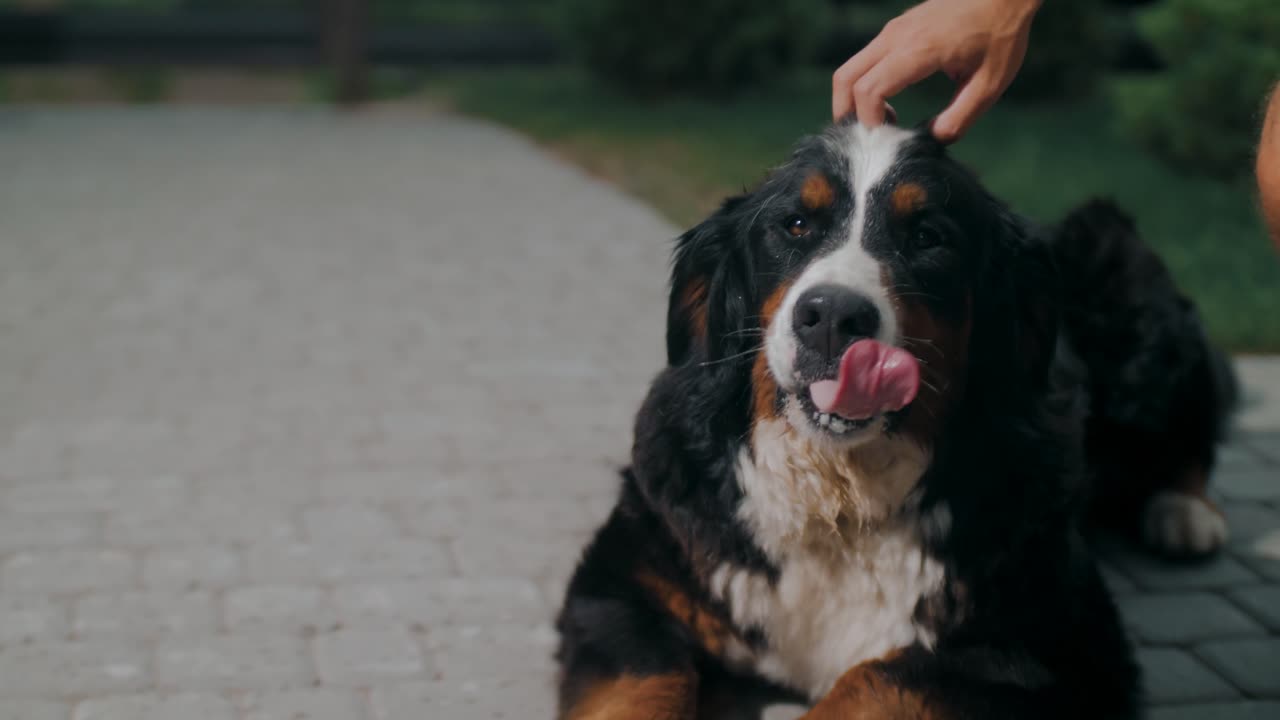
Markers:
point(715, 47)
point(1072, 43)
point(1203, 111)
point(682, 102)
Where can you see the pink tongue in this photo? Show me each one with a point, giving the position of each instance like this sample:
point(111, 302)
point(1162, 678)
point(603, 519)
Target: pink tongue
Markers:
point(873, 378)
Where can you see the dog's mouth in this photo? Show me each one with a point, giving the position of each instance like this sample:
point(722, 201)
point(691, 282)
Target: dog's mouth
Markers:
point(832, 422)
point(871, 381)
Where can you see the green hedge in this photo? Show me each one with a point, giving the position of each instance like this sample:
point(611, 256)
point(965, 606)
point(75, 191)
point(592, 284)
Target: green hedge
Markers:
point(1070, 46)
point(702, 46)
point(1203, 113)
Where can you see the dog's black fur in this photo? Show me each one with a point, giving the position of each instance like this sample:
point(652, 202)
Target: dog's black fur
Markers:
point(1024, 626)
point(1159, 394)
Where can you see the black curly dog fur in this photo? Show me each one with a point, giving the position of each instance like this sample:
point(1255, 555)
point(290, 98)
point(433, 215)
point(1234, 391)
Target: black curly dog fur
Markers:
point(930, 562)
point(1159, 394)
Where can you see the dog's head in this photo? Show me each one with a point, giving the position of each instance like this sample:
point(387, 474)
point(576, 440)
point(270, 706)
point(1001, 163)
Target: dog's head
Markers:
point(868, 286)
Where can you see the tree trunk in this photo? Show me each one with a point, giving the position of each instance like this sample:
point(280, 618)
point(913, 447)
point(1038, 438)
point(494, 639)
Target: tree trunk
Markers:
point(345, 26)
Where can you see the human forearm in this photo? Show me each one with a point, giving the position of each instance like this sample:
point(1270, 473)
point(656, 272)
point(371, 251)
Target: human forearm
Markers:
point(1268, 167)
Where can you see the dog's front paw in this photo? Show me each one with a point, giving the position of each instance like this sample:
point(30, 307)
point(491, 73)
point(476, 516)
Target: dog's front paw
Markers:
point(1182, 525)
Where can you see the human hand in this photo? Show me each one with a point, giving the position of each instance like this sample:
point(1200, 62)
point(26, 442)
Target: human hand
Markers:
point(979, 44)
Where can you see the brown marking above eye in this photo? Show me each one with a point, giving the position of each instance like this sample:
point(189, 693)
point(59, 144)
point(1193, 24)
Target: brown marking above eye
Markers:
point(907, 198)
point(817, 193)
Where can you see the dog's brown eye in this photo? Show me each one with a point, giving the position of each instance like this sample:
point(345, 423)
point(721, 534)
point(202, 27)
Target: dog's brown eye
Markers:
point(927, 237)
point(796, 225)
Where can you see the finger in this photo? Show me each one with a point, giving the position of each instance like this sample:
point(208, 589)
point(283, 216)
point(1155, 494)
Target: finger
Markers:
point(847, 74)
point(975, 98)
point(888, 78)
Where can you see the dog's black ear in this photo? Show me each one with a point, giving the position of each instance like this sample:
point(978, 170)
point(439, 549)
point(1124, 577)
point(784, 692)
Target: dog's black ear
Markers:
point(699, 272)
point(1036, 293)
point(1021, 289)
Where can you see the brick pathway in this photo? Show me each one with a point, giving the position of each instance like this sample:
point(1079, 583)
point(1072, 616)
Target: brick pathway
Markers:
point(305, 415)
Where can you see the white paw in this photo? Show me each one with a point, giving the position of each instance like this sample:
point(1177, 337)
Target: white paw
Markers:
point(1176, 523)
point(784, 712)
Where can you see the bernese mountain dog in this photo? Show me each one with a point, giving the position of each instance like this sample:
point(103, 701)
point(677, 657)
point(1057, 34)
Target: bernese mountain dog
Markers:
point(888, 404)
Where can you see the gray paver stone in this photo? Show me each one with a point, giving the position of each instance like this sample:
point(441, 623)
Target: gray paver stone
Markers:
point(257, 661)
point(190, 567)
point(27, 618)
point(480, 656)
point(363, 657)
point(1250, 664)
point(1155, 574)
point(279, 606)
point(1249, 484)
point(1262, 602)
point(145, 613)
point(449, 601)
point(181, 706)
point(306, 704)
point(68, 570)
point(28, 530)
point(34, 710)
point(72, 668)
point(1219, 711)
point(510, 700)
point(1174, 676)
point(1182, 618)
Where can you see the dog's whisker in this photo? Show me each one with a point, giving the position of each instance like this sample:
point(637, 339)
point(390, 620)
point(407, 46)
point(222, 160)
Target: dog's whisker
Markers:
point(908, 340)
point(918, 294)
point(735, 356)
point(930, 385)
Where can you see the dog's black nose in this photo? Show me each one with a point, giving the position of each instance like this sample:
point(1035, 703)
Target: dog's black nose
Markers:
point(827, 318)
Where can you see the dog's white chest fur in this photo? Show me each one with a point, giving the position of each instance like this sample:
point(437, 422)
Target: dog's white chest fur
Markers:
point(848, 582)
point(821, 619)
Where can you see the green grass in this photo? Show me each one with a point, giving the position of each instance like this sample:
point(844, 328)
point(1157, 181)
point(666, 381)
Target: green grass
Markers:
point(684, 155)
point(385, 83)
point(142, 85)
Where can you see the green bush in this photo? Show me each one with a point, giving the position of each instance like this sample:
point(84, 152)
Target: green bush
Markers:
point(140, 84)
point(1069, 48)
point(703, 46)
point(1222, 56)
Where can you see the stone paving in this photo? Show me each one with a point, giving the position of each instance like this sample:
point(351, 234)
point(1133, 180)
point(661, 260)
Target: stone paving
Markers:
point(305, 415)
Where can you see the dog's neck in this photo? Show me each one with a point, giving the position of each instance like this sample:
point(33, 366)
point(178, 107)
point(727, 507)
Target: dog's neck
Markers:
point(803, 494)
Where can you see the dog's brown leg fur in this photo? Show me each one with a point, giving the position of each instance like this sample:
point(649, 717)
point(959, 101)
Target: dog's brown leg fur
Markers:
point(672, 696)
point(864, 693)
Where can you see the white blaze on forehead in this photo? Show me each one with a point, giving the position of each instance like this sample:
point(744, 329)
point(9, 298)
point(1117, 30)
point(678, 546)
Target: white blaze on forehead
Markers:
point(871, 154)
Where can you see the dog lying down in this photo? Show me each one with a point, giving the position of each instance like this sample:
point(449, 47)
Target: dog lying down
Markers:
point(889, 403)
